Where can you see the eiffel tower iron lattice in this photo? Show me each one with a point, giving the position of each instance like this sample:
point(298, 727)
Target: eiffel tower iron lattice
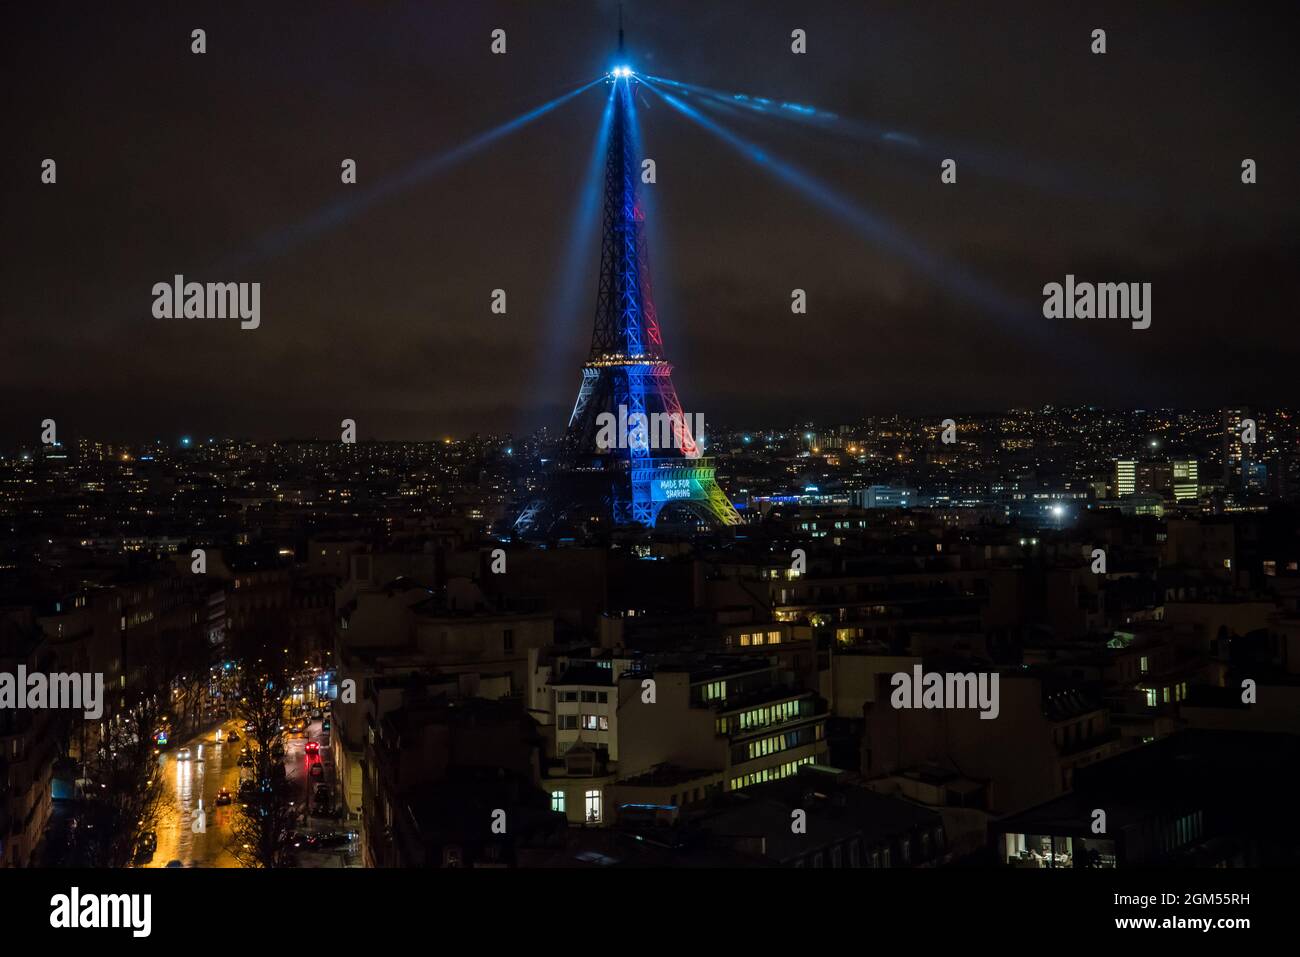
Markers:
point(654, 459)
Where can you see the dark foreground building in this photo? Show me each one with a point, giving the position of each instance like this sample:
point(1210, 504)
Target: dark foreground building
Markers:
point(1193, 799)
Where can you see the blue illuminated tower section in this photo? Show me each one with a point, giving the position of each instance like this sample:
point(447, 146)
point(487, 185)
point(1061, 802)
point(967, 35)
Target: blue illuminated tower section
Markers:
point(626, 379)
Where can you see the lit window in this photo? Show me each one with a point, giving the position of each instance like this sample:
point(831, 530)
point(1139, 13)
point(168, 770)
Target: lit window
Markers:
point(557, 801)
point(592, 805)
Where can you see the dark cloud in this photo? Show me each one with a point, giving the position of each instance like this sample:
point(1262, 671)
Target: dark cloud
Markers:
point(1122, 167)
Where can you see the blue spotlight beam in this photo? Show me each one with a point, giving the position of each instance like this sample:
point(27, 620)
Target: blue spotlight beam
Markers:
point(282, 241)
point(989, 162)
point(875, 228)
point(1025, 317)
point(569, 280)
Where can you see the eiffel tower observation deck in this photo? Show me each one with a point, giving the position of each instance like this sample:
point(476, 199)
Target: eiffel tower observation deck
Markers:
point(630, 454)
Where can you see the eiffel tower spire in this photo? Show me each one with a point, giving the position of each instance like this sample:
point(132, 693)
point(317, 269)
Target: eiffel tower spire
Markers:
point(629, 449)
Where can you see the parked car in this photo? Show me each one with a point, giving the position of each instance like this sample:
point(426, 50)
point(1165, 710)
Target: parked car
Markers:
point(223, 797)
point(145, 847)
point(233, 736)
point(330, 839)
point(317, 771)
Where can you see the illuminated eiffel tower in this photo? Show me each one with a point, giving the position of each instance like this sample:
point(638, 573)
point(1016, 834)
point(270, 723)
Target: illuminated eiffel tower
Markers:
point(629, 451)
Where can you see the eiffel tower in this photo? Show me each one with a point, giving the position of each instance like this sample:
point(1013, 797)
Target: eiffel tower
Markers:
point(654, 459)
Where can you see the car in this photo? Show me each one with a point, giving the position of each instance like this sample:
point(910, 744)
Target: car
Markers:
point(183, 754)
point(245, 759)
point(145, 847)
point(175, 863)
point(330, 839)
point(223, 797)
point(313, 748)
point(248, 727)
point(322, 794)
point(233, 736)
point(317, 771)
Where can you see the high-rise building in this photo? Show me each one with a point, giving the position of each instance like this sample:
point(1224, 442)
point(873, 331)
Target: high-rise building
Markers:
point(1125, 477)
point(1236, 453)
point(1186, 480)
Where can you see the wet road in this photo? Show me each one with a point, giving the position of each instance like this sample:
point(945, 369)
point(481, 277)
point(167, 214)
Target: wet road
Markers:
point(212, 766)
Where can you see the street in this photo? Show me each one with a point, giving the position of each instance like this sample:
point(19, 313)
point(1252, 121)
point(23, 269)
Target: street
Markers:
point(214, 765)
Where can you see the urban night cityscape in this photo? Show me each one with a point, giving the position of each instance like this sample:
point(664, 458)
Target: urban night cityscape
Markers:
point(534, 435)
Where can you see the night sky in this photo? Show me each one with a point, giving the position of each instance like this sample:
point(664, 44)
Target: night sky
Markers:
point(1121, 167)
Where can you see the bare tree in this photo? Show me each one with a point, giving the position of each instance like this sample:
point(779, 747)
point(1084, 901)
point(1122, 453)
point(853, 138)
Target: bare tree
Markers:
point(123, 786)
point(260, 835)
